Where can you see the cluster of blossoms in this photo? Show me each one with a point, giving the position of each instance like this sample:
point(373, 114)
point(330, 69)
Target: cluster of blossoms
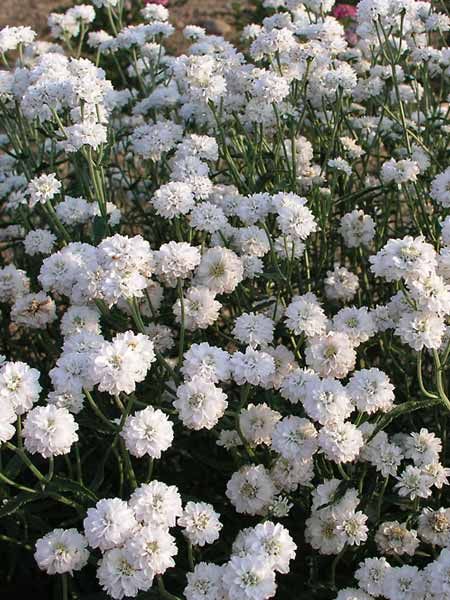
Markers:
point(225, 302)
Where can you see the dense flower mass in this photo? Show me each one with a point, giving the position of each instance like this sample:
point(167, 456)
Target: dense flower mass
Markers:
point(225, 304)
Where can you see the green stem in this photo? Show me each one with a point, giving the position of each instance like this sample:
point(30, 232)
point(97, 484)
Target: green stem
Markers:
point(162, 590)
point(51, 468)
point(10, 540)
point(65, 586)
point(24, 458)
point(182, 326)
point(12, 483)
point(439, 380)
point(97, 411)
point(334, 566)
point(128, 466)
point(420, 378)
point(190, 553)
point(380, 498)
point(151, 464)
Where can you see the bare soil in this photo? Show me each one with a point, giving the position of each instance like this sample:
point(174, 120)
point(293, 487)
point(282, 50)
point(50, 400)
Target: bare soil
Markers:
point(29, 12)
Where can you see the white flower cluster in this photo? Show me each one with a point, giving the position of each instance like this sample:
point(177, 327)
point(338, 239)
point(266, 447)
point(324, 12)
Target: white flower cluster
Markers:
point(134, 536)
point(225, 284)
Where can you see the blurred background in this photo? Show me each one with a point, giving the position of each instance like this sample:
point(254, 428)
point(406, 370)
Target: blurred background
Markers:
point(216, 16)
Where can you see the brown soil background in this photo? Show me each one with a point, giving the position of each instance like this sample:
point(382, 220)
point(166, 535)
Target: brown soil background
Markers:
point(214, 15)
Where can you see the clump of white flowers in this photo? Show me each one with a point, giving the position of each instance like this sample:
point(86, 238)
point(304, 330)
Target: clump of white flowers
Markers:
point(225, 304)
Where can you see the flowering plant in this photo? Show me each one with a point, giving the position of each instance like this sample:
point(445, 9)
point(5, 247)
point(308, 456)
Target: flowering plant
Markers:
point(225, 301)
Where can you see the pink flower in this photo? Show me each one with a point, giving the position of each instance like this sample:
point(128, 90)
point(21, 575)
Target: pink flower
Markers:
point(344, 11)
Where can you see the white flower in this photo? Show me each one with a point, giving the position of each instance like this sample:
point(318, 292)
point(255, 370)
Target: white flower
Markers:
point(385, 457)
point(154, 12)
point(251, 490)
point(200, 403)
point(305, 315)
point(324, 493)
point(395, 538)
point(351, 147)
point(200, 309)
point(434, 526)
point(80, 318)
point(209, 362)
point(220, 270)
point(357, 323)
point(229, 438)
point(204, 582)
point(71, 400)
point(14, 283)
point(253, 329)
point(440, 188)
point(204, 147)
point(421, 329)
point(431, 293)
point(353, 526)
point(42, 189)
point(176, 260)
point(249, 578)
point(294, 385)
point(327, 401)
point(161, 336)
point(414, 483)
point(370, 390)
point(253, 209)
point(403, 583)
point(409, 258)
point(340, 164)
point(287, 475)
point(12, 37)
point(7, 417)
point(257, 423)
point(341, 442)
point(173, 199)
point(120, 364)
point(152, 141)
point(49, 431)
point(295, 438)
point(322, 532)
point(207, 217)
point(152, 547)
point(422, 447)
point(331, 355)
point(294, 218)
point(401, 171)
point(39, 241)
point(156, 503)
point(61, 551)
point(109, 524)
point(148, 431)
point(35, 311)
point(285, 364)
point(269, 86)
point(273, 543)
point(341, 284)
point(371, 574)
point(254, 367)
point(127, 263)
point(19, 385)
point(200, 523)
point(119, 574)
point(86, 133)
point(75, 211)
